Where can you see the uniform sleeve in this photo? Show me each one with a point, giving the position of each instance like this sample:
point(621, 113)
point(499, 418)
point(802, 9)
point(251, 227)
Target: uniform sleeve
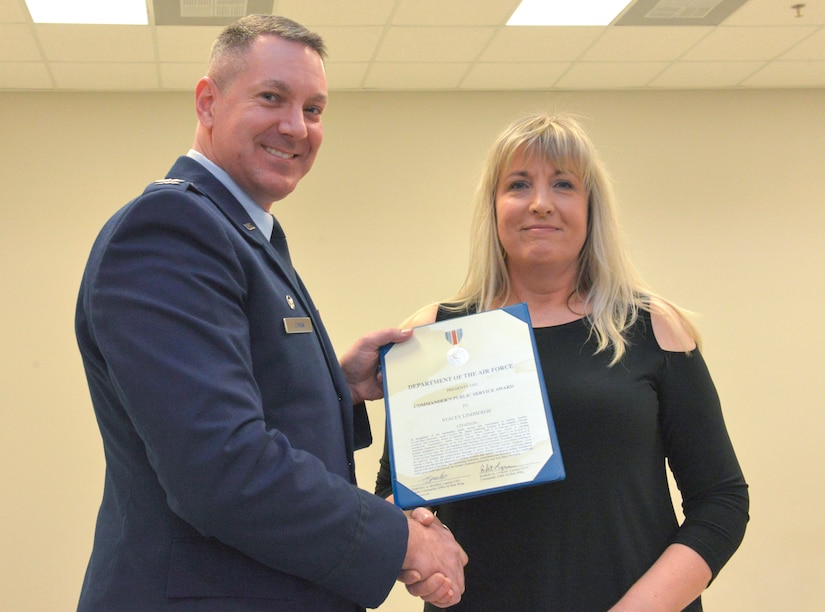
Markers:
point(714, 492)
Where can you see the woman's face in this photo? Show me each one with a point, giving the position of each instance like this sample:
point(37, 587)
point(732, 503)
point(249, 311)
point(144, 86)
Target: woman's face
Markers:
point(541, 212)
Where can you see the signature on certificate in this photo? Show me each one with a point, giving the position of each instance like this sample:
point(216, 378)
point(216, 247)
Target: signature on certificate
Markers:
point(434, 478)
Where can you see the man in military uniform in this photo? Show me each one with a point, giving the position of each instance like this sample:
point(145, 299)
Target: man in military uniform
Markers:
point(228, 423)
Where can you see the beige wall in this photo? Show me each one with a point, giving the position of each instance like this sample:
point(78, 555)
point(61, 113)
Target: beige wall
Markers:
point(723, 205)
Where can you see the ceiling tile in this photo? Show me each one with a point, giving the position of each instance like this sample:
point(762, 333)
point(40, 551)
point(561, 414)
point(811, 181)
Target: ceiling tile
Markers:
point(334, 12)
point(13, 12)
point(610, 75)
point(181, 76)
point(514, 75)
point(420, 44)
point(644, 44)
point(185, 43)
point(789, 74)
point(350, 43)
point(91, 43)
point(751, 43)
point(105, 77)
point(701, 75)
point(453, 13)
point(18, 44)
point(403, 76)
point(812, 48)
point(345, 75)
point(533, 44)
point(24, 75)
point(771, 12)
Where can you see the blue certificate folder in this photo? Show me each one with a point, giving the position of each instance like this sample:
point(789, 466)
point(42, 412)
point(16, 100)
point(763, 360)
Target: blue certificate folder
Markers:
point(467, 410)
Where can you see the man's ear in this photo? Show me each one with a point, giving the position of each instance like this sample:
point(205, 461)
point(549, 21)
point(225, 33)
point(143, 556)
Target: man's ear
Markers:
point(206, 92)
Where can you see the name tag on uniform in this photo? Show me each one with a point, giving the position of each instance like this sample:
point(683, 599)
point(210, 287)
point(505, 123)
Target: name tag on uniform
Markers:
point(298, 325)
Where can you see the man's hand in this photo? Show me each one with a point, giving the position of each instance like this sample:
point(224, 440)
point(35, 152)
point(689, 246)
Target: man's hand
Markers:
point(360, 363)
point(434, 566)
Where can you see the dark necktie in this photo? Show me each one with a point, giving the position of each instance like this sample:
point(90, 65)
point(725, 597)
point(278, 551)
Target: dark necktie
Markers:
point(278, 240)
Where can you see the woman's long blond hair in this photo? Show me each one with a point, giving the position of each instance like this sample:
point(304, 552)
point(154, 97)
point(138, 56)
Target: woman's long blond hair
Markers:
point(612, 290)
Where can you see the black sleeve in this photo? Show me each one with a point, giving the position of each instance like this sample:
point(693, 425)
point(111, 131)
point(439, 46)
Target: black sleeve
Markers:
point(383, 482)
point(361, 425)
point(701, 456)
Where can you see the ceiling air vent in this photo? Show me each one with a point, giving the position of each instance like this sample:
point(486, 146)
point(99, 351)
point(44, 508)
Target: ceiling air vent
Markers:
point(213, 8)
point(207, 12)
point(679, 12)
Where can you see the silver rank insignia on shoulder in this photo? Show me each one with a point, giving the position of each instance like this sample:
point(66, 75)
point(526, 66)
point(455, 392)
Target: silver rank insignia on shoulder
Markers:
point(169, 181)
point(290, 301)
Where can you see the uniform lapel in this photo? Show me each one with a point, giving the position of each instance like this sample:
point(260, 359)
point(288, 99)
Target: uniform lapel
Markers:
point(207, 184)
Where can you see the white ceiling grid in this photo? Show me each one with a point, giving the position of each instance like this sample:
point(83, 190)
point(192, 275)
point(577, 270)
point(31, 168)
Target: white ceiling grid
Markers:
point(437, 45)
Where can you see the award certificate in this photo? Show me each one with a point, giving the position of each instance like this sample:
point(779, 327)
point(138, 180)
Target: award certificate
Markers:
point(467, 409)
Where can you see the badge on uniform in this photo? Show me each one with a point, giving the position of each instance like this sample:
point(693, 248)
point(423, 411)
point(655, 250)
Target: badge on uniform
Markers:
point(298, 325)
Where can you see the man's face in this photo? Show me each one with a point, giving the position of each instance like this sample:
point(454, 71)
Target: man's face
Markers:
point(266, 123)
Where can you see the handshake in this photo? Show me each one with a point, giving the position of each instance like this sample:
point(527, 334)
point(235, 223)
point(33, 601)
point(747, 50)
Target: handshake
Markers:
point(434, 566)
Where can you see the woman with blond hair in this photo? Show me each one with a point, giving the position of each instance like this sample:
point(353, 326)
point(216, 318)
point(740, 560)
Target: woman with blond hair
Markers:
point(628, 388)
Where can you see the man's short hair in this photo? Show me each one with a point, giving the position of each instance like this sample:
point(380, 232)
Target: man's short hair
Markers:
point(229, 49)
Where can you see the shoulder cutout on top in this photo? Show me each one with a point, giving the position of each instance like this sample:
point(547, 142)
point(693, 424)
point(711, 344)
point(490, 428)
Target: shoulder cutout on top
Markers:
point(670, 333)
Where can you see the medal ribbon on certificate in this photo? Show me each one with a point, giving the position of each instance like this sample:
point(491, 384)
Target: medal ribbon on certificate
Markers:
point(457, 355)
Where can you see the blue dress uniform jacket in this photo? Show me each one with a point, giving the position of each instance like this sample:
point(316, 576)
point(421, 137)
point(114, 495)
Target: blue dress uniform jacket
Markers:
point(228, 441)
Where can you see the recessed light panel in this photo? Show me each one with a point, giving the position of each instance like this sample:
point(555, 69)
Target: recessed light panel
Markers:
point(566, 13)
point(128, 12)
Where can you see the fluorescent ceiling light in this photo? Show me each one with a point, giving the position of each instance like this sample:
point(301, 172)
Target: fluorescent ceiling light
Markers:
point(566, 12)
point(129, 12)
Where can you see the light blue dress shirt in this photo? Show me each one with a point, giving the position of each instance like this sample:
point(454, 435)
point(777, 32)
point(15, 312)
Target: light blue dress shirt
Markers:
point(259, 216)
